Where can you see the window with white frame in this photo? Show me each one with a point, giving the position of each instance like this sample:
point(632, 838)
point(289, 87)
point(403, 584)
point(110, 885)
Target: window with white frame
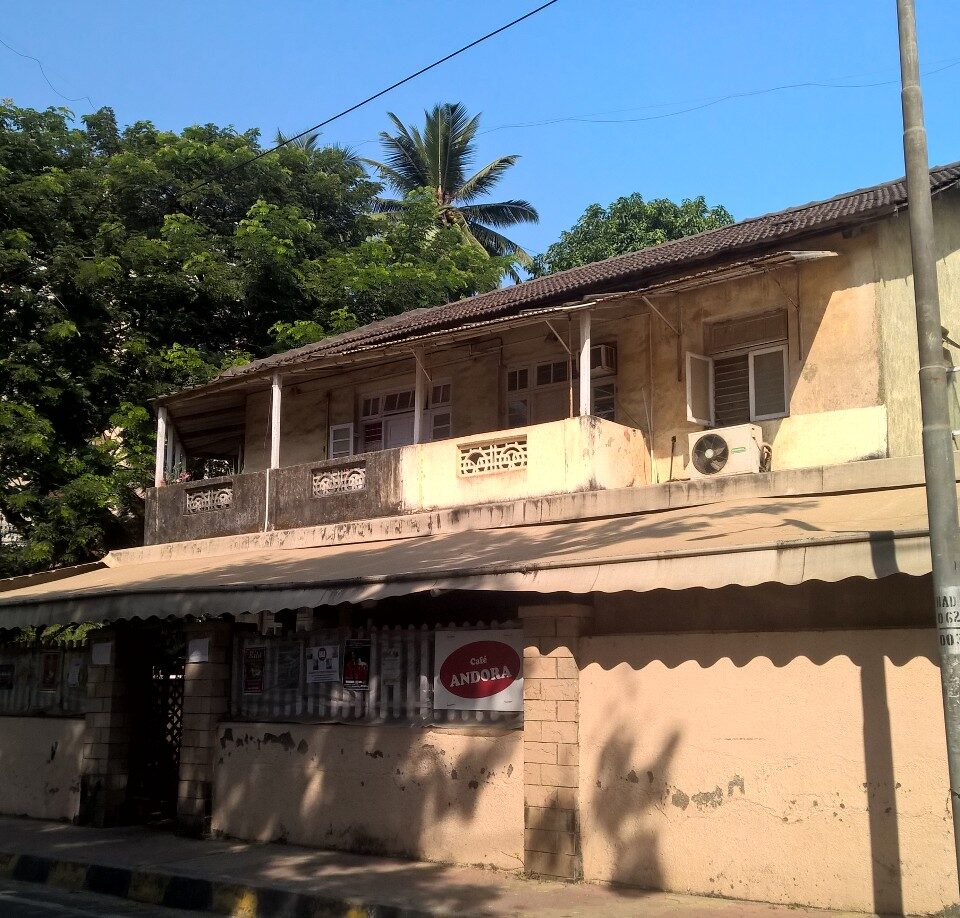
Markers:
point(386, 418)
point(440, 410)
point(540, 392)
point(341, 441)
point(744, 376)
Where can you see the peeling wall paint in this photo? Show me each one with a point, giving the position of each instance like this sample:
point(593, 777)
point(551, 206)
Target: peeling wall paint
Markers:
point(796, 767)
point(40, 762)
point(434, 794)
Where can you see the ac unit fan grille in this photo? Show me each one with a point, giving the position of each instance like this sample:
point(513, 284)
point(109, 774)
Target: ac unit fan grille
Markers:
point(710, 454)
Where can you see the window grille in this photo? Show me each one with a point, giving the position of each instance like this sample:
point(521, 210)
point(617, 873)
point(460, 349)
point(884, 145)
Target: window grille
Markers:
point(400, 690)
point(605, 401)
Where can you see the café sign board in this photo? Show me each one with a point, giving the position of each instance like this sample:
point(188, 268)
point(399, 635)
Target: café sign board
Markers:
point(478, 670)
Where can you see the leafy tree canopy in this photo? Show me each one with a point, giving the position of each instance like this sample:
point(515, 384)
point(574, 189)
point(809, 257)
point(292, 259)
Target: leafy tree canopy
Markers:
point(122, 277)
point(627, 225)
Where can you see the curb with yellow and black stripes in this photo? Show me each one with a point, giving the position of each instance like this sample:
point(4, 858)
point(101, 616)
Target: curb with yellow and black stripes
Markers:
point(191, 893)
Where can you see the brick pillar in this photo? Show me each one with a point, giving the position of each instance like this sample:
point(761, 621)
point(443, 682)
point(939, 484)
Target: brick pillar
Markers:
point(551, 744)
point(206, 700)
point(106, 742)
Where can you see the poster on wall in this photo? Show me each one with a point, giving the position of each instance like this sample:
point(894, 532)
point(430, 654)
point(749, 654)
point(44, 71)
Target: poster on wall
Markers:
point(478, 670)
point(323, 663)
point(49, 671)
point(356, 666)
point(254, 663)
point(288, 667)
point(390, 665)
point(7, 673)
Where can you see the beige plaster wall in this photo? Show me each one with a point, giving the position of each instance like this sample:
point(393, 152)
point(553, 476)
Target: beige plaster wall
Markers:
point(40, 760)
point(788, 767)
point(576, 454)
point(898, 326)
point(834, 356)
point(433, 794)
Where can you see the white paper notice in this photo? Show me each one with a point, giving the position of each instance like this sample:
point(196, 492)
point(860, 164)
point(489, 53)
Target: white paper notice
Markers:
point(73, 674)
point(390, 665)
point(198, 650)
point(101, 654)
point(323, 663)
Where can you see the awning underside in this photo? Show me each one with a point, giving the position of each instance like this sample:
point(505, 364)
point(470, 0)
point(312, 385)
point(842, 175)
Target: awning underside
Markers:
point(787, 540)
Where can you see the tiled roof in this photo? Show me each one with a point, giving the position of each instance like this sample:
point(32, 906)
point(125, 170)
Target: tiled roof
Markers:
point(756, 233)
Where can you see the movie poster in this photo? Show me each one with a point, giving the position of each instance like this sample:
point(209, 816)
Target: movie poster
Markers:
point(323, 663)
point(254, 663)
point(49, 671)
point(356, 665)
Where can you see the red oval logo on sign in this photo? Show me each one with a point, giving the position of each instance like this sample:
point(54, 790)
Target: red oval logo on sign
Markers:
point(480, 669)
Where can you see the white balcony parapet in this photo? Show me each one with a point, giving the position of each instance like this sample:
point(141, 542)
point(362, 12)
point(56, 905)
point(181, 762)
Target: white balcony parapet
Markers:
point(495, 456)
point(338, 481)
point(203, 500)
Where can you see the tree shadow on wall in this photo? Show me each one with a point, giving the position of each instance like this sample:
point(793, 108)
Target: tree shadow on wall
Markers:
point(385, 791)
point(626, 794)
point(874, 656)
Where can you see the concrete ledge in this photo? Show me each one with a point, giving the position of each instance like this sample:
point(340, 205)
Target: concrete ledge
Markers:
point(192, 893)
point(868, 475)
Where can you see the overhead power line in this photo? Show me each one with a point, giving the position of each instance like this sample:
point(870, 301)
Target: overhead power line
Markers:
point(43, 73)
point(377, 95)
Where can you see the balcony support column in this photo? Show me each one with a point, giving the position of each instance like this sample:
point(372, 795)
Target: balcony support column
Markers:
point(161, 447)
point(275, 407)
point(419, 397)
point(585, 389)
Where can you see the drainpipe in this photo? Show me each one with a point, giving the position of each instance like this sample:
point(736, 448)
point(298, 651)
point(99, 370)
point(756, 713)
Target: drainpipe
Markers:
point(938, 464)
point(275, 393)
point(160, 456)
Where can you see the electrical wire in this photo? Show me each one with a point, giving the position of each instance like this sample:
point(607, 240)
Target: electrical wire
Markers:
point(591, 119)
point(377, 95)
point(43, 72)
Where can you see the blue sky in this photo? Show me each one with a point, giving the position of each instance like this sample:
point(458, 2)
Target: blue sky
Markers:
point(290, 64)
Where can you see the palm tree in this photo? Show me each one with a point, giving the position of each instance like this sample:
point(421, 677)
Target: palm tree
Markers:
point(308, 142)
point(439, 158)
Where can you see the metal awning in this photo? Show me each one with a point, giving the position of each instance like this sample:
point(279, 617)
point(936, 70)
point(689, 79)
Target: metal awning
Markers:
point(786, 540)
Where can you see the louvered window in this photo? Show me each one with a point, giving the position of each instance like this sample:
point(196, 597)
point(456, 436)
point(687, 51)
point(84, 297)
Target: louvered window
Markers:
point(745, 376)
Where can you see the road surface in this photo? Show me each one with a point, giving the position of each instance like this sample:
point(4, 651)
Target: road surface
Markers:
point(33, 900)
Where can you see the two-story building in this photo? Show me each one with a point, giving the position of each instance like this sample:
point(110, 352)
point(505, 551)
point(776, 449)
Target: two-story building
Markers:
point(618, 574)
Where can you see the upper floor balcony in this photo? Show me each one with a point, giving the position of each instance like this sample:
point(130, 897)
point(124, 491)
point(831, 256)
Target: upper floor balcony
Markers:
point(606, 393)
point(559, 457)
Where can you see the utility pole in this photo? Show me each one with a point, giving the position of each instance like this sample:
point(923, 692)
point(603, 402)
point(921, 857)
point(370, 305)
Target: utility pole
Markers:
point(937, 437)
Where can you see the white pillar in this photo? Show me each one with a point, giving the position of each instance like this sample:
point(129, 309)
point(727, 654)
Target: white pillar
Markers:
point(171, 459)
point(419, 398)
point(585, 391)
point(161, 446)
point(275, 423)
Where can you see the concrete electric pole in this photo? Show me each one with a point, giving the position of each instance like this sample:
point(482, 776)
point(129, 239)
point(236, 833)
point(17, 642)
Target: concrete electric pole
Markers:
point(937, 436)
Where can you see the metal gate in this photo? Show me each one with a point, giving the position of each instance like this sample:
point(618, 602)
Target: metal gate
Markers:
point(156, 709)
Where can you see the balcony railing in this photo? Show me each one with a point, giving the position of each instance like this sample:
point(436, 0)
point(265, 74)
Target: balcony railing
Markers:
point(578, 454)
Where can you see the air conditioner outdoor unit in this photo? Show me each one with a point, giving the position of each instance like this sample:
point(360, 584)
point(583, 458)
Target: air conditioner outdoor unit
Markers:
point(603, 359)
point(726, 451)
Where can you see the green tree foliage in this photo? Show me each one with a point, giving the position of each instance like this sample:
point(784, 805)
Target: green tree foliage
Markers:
point(133, 263)
point(627, 225)
point(439, 158)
